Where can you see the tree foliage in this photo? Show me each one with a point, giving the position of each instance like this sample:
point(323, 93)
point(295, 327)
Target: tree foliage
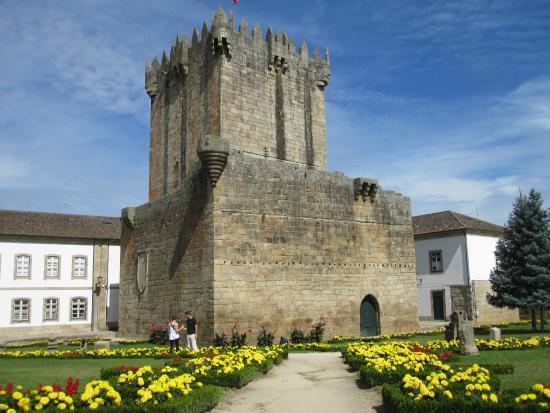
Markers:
point(521, 278)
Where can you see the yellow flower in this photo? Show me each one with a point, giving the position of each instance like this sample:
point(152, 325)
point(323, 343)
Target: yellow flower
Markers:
point(16, 395)
point(448, 394)
point(493, 397)
point(538, 388)
point(484, 397)
point(61, 406)
point(44, 400)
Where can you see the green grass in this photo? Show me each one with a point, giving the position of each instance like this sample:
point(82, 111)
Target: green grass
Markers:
point(519, 331)
point(32, 372)
point(530, 366)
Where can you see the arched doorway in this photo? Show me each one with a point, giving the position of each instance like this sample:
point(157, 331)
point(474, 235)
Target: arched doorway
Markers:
point(369, 313)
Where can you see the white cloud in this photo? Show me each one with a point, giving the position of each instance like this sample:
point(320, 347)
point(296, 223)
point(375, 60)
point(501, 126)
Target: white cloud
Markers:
point(458, 155)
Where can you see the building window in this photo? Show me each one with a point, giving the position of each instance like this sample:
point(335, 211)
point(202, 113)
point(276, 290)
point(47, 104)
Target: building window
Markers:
point(51, 309)
point(78, 308)
point(21, 310)
point(79, 266)
point(22, 266)
point(436, 263)
point(51, 266)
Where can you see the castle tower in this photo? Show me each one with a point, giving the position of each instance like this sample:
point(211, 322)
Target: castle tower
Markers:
point(244, 224)
point(260, 93)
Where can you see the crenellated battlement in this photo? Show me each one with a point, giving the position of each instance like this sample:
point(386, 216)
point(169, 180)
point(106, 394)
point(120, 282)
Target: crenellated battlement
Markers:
point(278, 50)
point(257, 90)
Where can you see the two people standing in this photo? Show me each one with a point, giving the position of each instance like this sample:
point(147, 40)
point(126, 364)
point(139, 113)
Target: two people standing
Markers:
point(174, 330)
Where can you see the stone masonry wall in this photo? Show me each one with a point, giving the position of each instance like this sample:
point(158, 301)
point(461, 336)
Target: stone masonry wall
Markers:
point(461, 300)
point(472, 301)
point(264, 96)
point(291, 244)
point(485, 312)
point(176, 230)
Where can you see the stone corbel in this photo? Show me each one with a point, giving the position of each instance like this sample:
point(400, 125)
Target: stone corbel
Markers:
point(129, 216)
point(365, 188)
point(213, 152)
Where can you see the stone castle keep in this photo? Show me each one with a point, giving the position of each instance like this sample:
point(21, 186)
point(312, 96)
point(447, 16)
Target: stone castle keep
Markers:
point(244, 224)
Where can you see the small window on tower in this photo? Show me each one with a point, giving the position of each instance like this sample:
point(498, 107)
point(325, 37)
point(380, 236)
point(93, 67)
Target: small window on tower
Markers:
point(436, 263)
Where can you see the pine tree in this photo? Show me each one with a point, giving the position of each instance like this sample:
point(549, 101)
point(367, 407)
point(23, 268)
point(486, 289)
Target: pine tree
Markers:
point(521, 278)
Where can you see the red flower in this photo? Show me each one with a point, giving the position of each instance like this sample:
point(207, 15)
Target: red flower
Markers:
point(9, 388)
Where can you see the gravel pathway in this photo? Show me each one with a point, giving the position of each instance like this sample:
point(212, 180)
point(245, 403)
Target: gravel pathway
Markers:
point(306, 382)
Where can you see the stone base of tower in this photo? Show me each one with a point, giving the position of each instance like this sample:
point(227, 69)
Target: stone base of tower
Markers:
point(275, 245)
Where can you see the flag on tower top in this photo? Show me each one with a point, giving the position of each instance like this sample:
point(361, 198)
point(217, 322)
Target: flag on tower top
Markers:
point(235, 2)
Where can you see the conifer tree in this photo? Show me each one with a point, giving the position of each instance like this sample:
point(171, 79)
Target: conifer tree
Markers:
point(521, 278)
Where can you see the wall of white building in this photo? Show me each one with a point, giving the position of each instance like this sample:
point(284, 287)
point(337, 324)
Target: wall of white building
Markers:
point(455, 267)
point(113, 284)
point(481, 255)
point(37, 287)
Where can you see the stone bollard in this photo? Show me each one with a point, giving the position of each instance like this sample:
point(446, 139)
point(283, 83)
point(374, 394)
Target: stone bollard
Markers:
point(52, 344)
point(494, 333)
point(98, 345)
point(467, 338)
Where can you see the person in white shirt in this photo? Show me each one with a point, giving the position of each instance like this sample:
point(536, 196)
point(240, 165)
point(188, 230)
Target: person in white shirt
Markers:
point(174, 333)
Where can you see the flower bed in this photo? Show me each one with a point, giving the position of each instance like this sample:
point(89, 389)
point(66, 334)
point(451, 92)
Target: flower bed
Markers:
point(306, 347)
point(509, 343)
point(418, 379)
point(184, 385)
point(533, 400)
point(384, 337)
point(150, 352)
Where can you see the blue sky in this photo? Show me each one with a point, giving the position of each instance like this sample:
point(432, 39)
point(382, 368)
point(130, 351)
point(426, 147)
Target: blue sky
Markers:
point(446, 102)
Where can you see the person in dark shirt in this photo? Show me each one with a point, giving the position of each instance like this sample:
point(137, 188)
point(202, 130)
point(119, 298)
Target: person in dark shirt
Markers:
point(192, 328)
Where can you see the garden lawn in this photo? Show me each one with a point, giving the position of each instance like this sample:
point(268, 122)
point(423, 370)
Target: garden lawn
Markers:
point(32, 372)
point(519, 331)
point(530, 366)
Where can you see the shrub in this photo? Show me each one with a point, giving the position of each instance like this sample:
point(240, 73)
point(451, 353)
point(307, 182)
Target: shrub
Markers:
point(265, 338)
point(297, 336)
point(220, 340)
point(372, 378)
point(198, 401)
point(237, 339)
point(397, 402)
point(158, 336)
point(317, 331)
point(235, 379)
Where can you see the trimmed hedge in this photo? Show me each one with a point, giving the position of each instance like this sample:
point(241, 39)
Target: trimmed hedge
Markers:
point(198, 401)
point(494, 368)
point(237, 379)
point(396, 402)
point(372, 378)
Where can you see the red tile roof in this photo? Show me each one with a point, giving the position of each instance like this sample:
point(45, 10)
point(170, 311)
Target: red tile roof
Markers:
point(448, 221)
point(54, 225)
